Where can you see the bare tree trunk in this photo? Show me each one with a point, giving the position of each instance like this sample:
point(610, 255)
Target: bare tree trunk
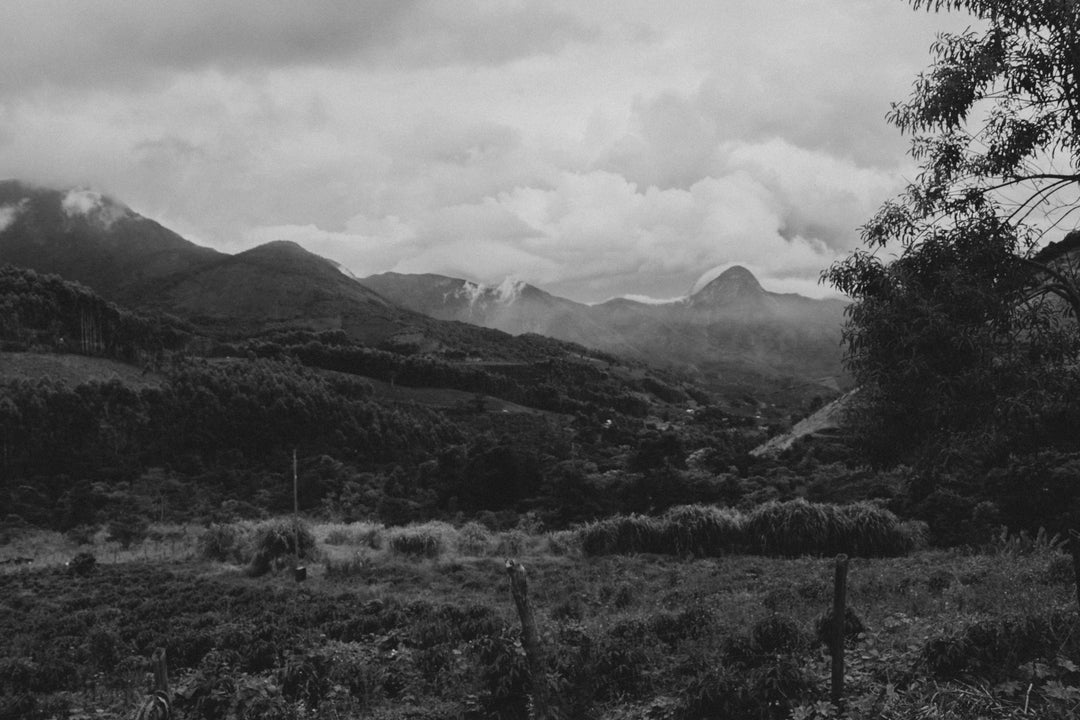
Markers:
point(530, 640)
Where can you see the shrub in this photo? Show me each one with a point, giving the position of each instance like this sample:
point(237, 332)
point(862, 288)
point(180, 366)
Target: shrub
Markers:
point(853, 626)
point(224, 543)
point(793, 528)
point(420, 541)
point(348, 567)
point(511, 543)
point(776, 528)
point(473, 539)
point(989, 648)
point(82, 564)
point(622, 534)
point(357, 533)
point(127, 531)
point(702, 530)
point(798, 528)
point(562, 542)
point(275, 540)
point(342, 536)
point(80, 535)
point(777, 634)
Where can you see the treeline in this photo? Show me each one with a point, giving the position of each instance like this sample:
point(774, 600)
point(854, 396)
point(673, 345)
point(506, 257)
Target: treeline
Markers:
point(552, 383)
point(38, 310)
point(228, 423)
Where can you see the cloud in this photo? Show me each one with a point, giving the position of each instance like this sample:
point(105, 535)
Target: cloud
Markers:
point(594, 148)
point(126, 42)
point(590, 236)
point(8, 214)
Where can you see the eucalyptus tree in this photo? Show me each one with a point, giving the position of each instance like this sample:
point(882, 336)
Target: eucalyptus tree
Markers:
point(963, 330)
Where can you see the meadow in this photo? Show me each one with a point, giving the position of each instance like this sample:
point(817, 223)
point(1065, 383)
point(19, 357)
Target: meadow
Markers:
point(418, 622)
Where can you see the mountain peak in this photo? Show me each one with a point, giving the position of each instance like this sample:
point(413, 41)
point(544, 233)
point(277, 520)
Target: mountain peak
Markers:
point(733, 285)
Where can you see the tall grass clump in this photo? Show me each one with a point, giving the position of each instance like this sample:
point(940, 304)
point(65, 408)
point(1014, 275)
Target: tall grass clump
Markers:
point(429, 540)
point(787, 529)
point(274, 541)
point(876, 532)
point(474, 539)
point(225, 542)
point(702, 530)
point(797, 527)
point(794, 528)
point(622, 534)
point(356, 534)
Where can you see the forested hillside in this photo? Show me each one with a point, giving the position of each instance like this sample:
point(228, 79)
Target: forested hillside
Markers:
point(538, 430)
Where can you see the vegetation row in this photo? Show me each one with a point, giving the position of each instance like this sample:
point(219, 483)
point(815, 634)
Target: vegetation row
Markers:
point(787, 529)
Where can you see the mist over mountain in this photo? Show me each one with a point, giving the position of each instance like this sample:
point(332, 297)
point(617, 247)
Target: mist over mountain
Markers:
point(93, 239)
point(731, 333)
point(90, 238)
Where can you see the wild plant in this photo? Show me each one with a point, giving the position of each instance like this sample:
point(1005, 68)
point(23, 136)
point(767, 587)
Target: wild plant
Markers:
point(474, 539)
point(275, 540)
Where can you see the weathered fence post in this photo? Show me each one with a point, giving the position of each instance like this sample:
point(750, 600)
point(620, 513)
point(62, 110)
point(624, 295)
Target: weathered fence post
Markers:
point(161, 670)
point(530, 640)
point(838, 613)
point(1074, 549)
point(157, 705)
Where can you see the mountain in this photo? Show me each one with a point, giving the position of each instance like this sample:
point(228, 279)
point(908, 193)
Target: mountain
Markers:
point(90, 238)
point(514, 307)
point(731, 330)
point(731, 334)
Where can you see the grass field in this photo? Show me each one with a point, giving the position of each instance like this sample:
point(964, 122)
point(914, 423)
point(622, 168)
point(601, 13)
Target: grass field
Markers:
point(386, 626)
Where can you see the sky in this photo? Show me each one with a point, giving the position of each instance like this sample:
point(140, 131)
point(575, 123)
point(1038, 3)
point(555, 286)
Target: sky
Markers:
point(595, 148)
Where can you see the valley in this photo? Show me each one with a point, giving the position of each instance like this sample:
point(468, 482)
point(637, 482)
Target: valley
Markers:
point(179, 428)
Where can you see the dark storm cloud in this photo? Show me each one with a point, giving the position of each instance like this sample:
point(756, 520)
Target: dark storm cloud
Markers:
point(121, 42)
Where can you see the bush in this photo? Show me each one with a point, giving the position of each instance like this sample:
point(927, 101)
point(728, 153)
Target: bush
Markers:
point(777, 634)
point(474, 539)
point(702, 530)
point(276, 540)
point(80, 535)
point(795, 528)
point(511, 543)
point(357, 533)
point(622, 534)
point(420, 541)
point(990, 648)
point(82, 564)
point(127, 531)
point(776, 528)
point(224, 543)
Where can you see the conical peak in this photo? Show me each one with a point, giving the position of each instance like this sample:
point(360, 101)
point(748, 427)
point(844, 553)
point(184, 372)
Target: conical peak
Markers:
point(735, 282)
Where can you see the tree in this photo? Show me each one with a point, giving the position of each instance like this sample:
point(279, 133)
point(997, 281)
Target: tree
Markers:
point(968, 339)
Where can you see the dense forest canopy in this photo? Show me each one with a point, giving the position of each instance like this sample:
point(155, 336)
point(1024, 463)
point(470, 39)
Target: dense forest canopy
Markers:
point(966, 344)
point(204, 427)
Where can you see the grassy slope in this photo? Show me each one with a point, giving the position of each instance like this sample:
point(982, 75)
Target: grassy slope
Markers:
point(678, 619)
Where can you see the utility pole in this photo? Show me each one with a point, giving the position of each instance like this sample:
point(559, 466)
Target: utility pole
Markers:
point(299, 572)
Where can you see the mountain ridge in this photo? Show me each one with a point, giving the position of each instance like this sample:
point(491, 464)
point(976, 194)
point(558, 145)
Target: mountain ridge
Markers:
point(730, 332)
point(731, 324)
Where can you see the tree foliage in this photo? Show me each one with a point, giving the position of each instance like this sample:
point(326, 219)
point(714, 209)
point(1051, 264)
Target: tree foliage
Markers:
point(966, 340)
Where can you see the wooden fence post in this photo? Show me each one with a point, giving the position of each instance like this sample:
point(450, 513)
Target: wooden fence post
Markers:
point(1074, 549)
point(161, 670)
point(838, 613)
point(530, 640)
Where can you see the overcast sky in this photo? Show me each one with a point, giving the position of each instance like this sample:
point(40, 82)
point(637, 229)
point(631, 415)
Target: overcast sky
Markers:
point(592, 147)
